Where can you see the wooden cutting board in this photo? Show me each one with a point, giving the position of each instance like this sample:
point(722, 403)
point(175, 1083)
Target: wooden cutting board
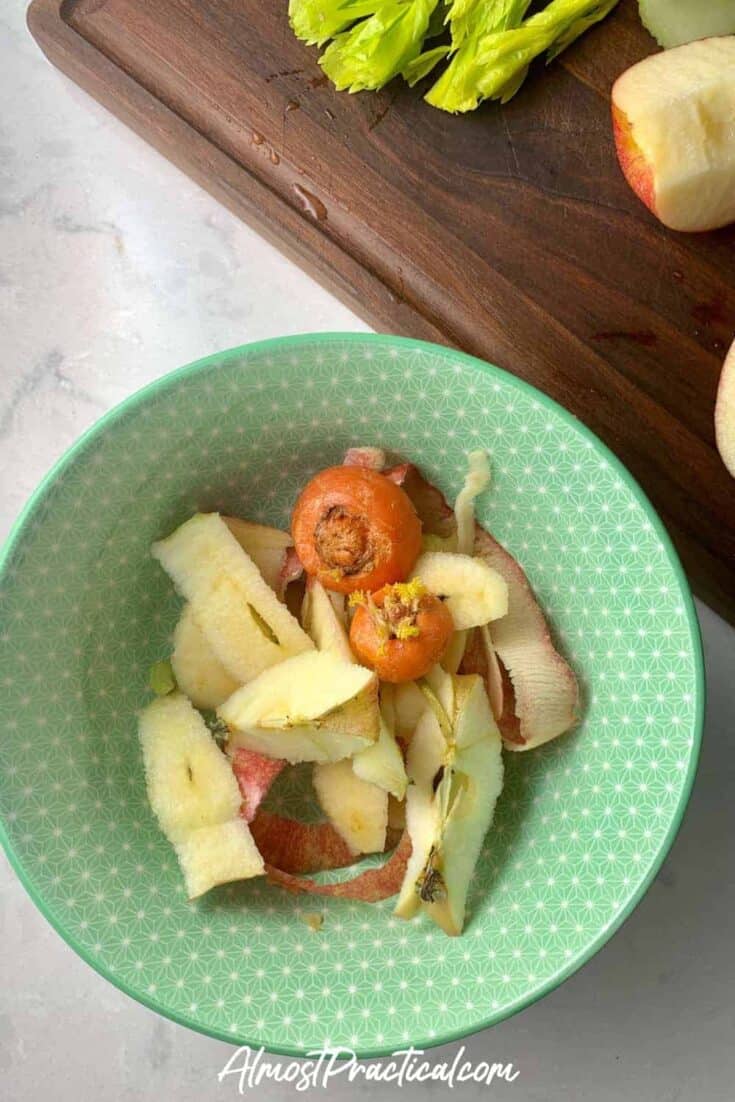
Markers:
point(509, 233)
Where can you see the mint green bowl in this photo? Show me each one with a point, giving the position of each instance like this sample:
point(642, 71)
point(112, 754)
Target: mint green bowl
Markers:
point(583, 823)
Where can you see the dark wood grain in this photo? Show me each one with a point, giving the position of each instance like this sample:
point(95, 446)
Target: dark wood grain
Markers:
point(509, 233)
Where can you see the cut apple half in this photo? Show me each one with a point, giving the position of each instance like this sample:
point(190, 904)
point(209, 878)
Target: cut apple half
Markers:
point(313, 707)
point(246, 625)
point(725, 412)
point(474, 592)
point(673, 123)
point(197, 669)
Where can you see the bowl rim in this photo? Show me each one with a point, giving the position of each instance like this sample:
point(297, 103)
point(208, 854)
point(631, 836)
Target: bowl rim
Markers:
point(273, 344)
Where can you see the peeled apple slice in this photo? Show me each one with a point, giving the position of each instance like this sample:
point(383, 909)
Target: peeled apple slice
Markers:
point(216, 855)
point(479, 770)
point(195, 796)
point(475, 593)
point(477, 480)
point(198, 672)
point(313, 707)
point(382, 763)
point(423, 822)
point(455, 783)
point(323, 623)
point(409, 705)
point(357, 809)
point(267, 547)
point(189, 780)
point(245, 624)
point(674, 22)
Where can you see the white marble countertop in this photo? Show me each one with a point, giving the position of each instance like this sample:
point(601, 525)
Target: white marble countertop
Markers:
point(115, 268)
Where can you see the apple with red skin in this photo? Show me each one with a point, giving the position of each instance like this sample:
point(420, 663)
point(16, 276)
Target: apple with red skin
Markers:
point(675, 140)
point(725, 412)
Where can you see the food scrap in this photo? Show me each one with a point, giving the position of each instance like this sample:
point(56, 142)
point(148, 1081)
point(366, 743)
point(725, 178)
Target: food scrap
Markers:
point(414, 652)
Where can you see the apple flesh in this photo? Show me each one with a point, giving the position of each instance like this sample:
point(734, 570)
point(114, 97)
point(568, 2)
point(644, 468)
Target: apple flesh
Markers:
point(267, 547)
point(456, 778)
point(357, 809)
point(195, 796)
point(246, 626)
point(725, 413)
point(197, 669)
point(673, 124)
point(323, 623)
point(381, 763)
point(313, 707)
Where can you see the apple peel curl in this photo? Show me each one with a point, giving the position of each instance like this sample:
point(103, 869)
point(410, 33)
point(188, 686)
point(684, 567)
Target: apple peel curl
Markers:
point(367, 887)
point(540, 694)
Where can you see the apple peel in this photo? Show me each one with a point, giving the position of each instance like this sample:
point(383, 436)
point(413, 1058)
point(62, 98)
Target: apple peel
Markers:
point(367, 887)
point(545, 689)
point(480, 658)
point(254, 773)
point(291, 570)
point(436, 515)
point(540, 690)
point(296, 847)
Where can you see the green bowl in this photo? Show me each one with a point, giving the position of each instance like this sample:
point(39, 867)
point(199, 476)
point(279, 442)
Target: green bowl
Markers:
point(583, 823)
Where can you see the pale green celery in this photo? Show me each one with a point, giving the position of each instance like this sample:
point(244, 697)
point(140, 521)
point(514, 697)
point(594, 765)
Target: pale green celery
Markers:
point(379, 48)
point(477, 17)
point(422, 65)
point(467, 18)
point(314, 21)
point(488, 66)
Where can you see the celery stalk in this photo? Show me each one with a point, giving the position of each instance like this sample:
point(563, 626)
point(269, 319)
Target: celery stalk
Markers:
point(492, 65)
point(314, 21)
point(467, 18)
point(371, 53)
